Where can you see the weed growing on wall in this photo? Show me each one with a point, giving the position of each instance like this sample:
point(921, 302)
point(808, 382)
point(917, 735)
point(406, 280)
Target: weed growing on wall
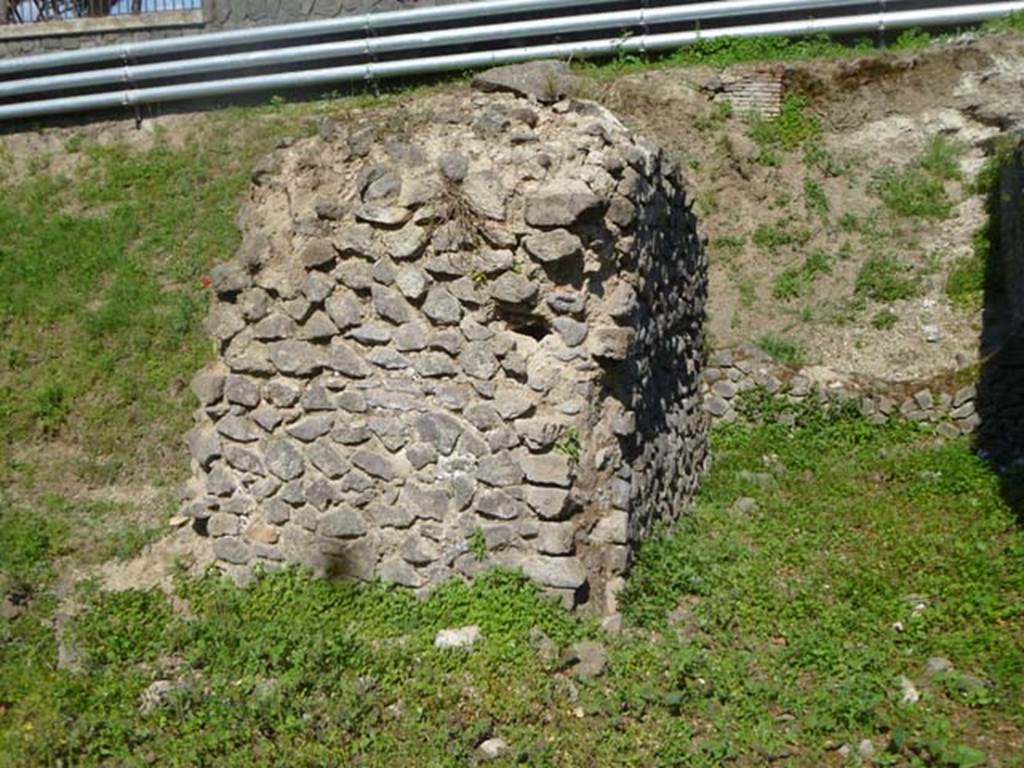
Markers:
point(792, 128)
point(972, 276)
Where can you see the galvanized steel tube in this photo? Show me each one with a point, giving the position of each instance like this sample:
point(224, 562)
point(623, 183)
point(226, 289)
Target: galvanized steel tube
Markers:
point(351, 23)
point(131, 74)
point(317, 77)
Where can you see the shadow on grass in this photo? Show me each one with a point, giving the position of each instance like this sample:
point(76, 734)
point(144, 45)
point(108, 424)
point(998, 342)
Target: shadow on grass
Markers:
point(1000, 398)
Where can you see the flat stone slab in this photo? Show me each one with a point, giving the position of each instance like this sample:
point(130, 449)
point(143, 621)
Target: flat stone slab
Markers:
point(547, 80)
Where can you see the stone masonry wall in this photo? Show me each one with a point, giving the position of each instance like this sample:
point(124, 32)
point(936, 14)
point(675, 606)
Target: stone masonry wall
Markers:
point(469, 337)
point(949, 406)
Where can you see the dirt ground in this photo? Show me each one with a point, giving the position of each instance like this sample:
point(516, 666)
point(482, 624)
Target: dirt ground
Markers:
point(876, 113)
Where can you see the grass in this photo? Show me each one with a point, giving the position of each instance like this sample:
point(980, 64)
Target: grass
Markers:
point(105, 264)
point(885, 278)
point(727, 51)
point(794, 127)
point(781, 639)
point(794, 282)
point(919, 189)
point(116, 292)
point(784, 232)
point(782, 349)
point(782, 643)
point(815, 199)
point(884, 320)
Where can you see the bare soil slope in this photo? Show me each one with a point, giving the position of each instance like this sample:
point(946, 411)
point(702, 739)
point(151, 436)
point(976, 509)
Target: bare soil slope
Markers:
point(834, 228)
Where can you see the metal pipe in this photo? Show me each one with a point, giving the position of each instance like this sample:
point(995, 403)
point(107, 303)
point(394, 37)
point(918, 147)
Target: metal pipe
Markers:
point(351, 23)
point(414, 41)
point(665, 41)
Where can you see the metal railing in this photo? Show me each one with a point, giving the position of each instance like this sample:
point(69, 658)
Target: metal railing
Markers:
point(42, 11)
point(430, 40)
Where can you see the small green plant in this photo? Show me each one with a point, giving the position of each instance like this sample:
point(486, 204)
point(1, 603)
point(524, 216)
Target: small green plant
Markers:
point(707, 202)
point(794, 282)
point(918, 190)
point(1011, 22)
point(569, 443)
point(793, 126)
point(941, 158)
point(748, 291)
point(849, 222)
point(51, 407)
point(912, 39)
point(885, 278)
point(729, 243)
point(815, 199)
point(965, 285)
point(478, 544)
point(884, 320)
point(783, 232)
point(720, 113)
point(782, 349)
point(819, 158)
point(913, 193)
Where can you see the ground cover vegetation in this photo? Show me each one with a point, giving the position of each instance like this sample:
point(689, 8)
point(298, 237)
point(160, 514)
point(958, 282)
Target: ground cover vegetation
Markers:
point(825, 561)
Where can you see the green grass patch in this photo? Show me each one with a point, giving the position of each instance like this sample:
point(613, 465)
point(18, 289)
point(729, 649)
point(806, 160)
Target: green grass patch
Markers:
point(914, 193)
point(756, 631)
point(885, 278)
point(100, 289)
point(919, 190)
point(30, 543)
point(941, 158)
point(976, 276)
point(782, 349)
point(794, 126)
point(815, 199)
point(965, 285)
point(793, 605)
point(784, 232)
point(884, 319)
point(797, 281)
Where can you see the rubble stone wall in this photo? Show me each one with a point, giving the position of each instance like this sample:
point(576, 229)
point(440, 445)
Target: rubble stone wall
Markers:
point(469, 337)
point(950, 405)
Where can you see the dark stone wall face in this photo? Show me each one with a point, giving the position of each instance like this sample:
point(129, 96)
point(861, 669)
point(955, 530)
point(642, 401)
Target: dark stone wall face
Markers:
point(471, 339)
point(1001, 386)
